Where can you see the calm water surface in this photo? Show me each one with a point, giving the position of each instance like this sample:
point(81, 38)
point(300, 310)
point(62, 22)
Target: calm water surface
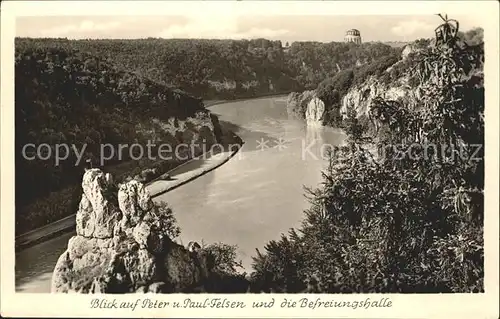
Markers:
point(248, 201)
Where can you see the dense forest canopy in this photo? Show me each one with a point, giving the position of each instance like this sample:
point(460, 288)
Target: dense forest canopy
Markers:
point(66, 96)
point(71, 97)
point(215, 69)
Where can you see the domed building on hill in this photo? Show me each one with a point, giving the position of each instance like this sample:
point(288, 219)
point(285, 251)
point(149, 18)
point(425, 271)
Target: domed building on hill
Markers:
point(353, 35)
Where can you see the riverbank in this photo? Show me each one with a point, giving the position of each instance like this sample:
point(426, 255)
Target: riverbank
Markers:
point(179, 176)
point(209, 103)
point(161, 186)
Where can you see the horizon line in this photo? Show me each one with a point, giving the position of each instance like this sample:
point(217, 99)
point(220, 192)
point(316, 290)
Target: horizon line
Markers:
point(219, 39)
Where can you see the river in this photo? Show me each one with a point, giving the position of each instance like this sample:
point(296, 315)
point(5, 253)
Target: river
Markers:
point(248, 201)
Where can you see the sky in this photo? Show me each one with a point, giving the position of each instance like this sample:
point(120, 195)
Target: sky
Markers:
point(325, 28)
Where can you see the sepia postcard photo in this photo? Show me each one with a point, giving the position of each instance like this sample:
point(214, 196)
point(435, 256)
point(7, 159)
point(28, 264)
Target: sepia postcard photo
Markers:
point(249, 159)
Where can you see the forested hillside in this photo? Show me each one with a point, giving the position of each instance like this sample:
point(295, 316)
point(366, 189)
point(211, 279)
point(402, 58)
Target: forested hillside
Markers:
point(211, 69)
point(312, 62)
point(68, 97)
point(228, 69)
point(401, 206)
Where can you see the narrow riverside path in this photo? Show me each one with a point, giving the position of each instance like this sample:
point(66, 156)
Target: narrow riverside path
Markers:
point(179, 176)
point(189, 171)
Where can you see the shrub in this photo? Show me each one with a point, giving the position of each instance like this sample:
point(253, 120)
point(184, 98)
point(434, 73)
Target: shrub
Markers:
point(227, 276)
point(169, 222)
point(225, 258)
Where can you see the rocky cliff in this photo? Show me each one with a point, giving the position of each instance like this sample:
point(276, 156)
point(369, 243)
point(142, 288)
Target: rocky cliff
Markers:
point(315, 112)
point(392, 81)
point(122, 244)
point(398, 88)
point(307, 106)
point(202, 128)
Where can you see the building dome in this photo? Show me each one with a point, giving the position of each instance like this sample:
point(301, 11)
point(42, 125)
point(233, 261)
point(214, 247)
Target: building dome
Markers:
point(353, 32)
point(353, 35)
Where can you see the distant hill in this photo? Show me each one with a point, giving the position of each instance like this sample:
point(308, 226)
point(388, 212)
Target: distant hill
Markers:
point(208, 69)
point(227, 69)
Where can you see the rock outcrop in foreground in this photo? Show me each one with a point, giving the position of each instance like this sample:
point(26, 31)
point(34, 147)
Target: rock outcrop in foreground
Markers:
point(122, 245)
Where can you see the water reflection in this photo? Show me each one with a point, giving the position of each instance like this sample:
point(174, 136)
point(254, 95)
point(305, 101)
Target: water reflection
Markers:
point(317, 142)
